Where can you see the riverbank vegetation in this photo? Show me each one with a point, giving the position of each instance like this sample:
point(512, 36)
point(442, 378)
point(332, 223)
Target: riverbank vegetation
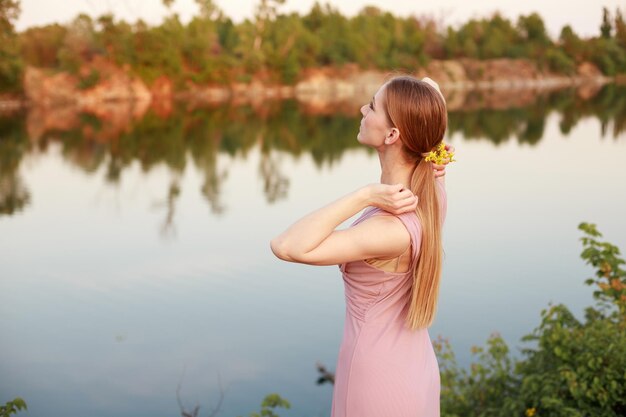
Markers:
point(575, 367)
point(277, 47)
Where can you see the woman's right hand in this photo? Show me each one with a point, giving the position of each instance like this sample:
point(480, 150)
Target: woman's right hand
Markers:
point(395, 199)
point(440, 170)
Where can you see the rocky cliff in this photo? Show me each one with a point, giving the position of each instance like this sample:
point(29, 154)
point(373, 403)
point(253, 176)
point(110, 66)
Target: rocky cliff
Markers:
point(102, 82)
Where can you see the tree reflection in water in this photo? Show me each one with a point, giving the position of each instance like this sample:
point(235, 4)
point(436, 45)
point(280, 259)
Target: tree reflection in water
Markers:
point(14, 194)
point(210, 137)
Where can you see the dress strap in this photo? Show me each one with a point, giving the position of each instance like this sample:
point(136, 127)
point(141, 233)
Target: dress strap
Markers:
point(410, 221)
point(414, 227)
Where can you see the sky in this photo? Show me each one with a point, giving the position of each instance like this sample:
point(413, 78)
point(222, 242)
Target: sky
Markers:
point(584, 16)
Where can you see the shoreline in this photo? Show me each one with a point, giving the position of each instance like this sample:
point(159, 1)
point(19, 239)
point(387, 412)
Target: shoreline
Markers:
point(328, 91)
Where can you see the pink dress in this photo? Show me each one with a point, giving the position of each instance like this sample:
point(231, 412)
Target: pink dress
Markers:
point(384, 369)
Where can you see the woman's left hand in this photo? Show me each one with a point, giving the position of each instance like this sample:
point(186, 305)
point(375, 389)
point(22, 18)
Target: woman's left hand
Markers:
point(393, 198)
point(440, 170)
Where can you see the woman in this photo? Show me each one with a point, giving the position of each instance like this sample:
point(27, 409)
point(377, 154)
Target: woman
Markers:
point(390, 257)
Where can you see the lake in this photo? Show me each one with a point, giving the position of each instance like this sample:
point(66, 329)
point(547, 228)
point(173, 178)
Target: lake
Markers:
point(135, 260)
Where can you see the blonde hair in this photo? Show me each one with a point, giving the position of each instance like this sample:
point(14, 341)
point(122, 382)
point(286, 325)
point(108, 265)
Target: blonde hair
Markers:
point(419, 112)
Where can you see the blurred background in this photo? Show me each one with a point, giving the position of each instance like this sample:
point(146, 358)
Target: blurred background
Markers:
point(149, 150)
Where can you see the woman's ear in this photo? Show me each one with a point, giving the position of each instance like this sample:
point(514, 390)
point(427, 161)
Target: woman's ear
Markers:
point(392, 136)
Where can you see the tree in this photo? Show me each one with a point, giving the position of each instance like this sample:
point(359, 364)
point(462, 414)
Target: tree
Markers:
point(40, 46)
point(115, 39)
point(620, 29)
point(10, 60)
point(573, 46)
point(79, 44)
point(209, 10)
point(606, 27)
point(265, 11)
point(534, 35)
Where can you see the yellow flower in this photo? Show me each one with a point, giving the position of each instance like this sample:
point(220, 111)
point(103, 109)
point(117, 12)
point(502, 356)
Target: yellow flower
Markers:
point(530, 412)
point(440, 155)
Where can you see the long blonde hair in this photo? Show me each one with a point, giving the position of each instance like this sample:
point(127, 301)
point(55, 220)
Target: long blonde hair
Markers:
point(419, 112)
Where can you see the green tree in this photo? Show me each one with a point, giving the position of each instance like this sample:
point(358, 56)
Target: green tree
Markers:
point(289, 47)
point(606, 28)
point(40, 46)
point(10, 59)
point(620, 29)
point(79, 44)
point(332, 37)
point(265, 11)
point(607, 55)
point(571, 44)
point(158, 49)
point(534, 36)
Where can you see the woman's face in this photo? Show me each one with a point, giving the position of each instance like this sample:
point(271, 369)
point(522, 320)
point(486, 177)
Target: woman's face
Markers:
point(374, 125)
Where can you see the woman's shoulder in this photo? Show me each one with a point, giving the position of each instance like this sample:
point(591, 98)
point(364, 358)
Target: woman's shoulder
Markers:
point(410, 220)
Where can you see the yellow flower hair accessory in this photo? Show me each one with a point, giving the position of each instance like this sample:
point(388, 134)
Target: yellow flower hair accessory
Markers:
point(440, 155)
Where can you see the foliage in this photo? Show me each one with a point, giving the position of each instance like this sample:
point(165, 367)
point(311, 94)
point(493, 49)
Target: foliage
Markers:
point(606, 28)
point(90, 80)
point(276, 46)
point(10, 59)
point(270, 402)
point(78, 44)
point(558, 61)
point(12, 407)
point(607, 55)
point(609, 276)
point(481, 391)
point(576, 368)
point(40, 46)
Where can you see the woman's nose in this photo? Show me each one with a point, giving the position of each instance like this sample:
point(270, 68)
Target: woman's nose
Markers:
point(363, 109)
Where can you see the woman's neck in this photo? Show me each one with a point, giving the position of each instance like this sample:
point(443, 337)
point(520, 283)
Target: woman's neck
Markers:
point(394, 169)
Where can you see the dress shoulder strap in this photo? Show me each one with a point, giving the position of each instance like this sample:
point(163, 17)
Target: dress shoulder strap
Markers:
point(410, 221)
point(414, 227)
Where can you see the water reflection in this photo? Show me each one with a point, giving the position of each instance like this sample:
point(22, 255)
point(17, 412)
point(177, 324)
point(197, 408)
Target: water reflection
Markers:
point(117, 136)
point(14, 194)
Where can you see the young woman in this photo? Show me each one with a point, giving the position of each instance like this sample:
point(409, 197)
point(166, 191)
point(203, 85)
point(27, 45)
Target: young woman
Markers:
point(390, 257)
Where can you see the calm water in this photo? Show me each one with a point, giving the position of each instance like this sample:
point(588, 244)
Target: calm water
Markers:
point(135, 257)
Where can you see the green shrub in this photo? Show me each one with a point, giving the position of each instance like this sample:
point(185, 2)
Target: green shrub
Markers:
point(576, 369)
point(89, 81)
point(270, 402)
point(12, 407)
point(558, 61)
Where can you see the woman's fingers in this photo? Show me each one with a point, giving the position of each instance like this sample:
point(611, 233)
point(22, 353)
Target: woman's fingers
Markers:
point(395, 198)
point(405, 204)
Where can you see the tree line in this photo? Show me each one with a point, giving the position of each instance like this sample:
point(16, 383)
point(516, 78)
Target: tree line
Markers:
point(278, 47)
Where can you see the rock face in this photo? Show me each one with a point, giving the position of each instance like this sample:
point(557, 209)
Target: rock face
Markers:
point(100, 88)
point(100, 81)
point(43, 89)
point(494, 78)
point(108, 83)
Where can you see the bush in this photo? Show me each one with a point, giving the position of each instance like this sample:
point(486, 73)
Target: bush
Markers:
point(90, 80)
point(578, 368)
point(270, 402)
point(12, 407)
point(558, 61)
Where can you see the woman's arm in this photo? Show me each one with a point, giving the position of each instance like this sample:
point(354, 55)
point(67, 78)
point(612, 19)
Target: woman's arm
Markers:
point(314, 240)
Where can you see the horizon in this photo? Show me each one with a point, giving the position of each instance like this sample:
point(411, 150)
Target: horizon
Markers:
point(583, 16)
